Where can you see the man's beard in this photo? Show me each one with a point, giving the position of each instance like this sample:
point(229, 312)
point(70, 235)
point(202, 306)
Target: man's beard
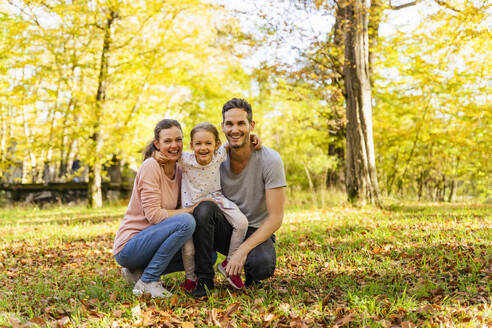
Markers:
point(236, 146)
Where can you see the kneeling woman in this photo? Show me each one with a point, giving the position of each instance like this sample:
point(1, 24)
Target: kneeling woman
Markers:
point(153, 230)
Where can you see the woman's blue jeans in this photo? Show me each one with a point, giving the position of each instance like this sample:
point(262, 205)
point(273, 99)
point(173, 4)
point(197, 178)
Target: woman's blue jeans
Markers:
point(154, 248)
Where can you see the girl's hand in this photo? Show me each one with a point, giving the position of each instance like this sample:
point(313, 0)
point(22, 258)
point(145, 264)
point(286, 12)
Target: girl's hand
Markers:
point(161, 158)
point(192, 208)
point(255, 141)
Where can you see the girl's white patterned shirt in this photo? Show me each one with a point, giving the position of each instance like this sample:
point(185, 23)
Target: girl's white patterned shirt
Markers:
point(202, 181)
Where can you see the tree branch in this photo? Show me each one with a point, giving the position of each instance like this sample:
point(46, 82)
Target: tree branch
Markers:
point(442, 3)
point(447, 5)
point(405, 5)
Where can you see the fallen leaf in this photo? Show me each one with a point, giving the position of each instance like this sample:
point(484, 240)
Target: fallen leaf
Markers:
point(231, 309)
point(187, 324)
point(437, 291)
point(268, 317)
point(63, 322)
point(259, 308)
point(212, 315)
point(345, 320)
point(39, 321)
point(174, 300)
point(93, 302)
point(407, 324)
point(285, 307)
point(137, 311)
point(117, 313)
point(225, 323)
point(96, 314)
point(426, 309)
point(385, 323)
point(377, 250)
point(15, 322)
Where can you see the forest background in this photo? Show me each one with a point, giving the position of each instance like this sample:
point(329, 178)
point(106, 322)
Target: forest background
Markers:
point(88, 80)
point(83, 83)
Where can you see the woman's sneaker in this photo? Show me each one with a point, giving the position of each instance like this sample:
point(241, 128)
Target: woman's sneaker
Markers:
point(154, 288)
point(235, 281)
point(131, 277)
point(189, 285)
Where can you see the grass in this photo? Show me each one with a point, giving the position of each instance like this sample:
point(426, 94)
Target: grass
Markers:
point(404, 265)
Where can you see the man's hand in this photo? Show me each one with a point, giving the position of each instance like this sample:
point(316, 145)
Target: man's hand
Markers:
point(161, 158)
point(235, 264)
point(275, 199)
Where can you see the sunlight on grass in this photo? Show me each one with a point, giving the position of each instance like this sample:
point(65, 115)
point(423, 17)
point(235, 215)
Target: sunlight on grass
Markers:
point(336, 266)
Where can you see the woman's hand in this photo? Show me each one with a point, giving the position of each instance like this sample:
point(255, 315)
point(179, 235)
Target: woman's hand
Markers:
point(255, 141)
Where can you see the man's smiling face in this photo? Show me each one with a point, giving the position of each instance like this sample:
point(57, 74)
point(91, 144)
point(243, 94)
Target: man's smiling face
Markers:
point(236, 127)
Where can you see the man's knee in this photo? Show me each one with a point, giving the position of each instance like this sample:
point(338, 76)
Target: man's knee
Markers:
point(261, 264)
point(204, 212)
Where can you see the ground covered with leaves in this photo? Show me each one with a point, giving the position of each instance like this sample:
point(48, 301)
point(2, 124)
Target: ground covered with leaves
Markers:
point(406, 265)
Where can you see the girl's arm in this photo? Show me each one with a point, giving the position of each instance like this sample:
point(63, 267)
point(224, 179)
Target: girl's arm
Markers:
point(255, 141)
point(149, 186)
point(186, 158)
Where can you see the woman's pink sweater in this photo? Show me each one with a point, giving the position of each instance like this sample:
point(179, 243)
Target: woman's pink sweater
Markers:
point(153, 193)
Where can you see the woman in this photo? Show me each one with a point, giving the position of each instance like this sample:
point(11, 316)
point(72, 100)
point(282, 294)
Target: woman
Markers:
point(153, 230)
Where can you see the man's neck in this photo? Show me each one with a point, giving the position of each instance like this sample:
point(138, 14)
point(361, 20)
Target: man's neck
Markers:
point(240, 157)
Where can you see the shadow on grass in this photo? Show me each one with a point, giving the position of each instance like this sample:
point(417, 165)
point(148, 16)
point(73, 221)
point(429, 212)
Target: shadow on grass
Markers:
point(440, 208)
point(84, 218)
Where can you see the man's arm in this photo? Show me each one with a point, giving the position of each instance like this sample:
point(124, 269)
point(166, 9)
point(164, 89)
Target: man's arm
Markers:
point(275, 199)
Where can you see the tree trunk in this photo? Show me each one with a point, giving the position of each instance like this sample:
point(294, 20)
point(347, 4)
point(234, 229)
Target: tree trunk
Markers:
point(336, 177)
point(4, 140)
point(443, 189)
point(361, 179)
point(421, 183)
point(392, 175)
point(32, 156)
point(452, 187)
point(95, 165)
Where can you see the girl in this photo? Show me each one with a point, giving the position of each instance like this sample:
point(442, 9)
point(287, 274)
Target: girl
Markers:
point(201, 179)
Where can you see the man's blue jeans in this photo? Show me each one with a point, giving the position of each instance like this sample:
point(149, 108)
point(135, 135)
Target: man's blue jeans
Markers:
point(155, 248)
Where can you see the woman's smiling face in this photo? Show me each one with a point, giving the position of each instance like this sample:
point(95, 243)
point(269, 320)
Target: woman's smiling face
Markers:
point(170, 143)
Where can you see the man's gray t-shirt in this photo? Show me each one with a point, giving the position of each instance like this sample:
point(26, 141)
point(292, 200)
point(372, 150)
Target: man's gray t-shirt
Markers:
point(264, 170)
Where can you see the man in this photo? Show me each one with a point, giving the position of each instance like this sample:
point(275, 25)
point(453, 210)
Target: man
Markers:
point(255, 181)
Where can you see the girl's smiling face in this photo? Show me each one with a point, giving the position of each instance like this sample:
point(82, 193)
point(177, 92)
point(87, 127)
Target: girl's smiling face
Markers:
point(204, 145)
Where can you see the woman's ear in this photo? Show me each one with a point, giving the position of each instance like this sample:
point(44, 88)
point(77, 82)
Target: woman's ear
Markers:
point(156, 144)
